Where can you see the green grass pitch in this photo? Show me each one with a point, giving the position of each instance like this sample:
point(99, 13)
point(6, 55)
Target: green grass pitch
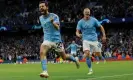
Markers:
point(118, 70)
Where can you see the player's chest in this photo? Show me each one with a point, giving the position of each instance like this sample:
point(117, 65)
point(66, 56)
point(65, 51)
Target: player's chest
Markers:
point(72, 46)
point(45, 22)
point(87, 25)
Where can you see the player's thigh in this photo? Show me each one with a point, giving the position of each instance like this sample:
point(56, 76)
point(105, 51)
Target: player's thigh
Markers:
point(94, 54)
point(73, 53)
point(45, 46)
point(97, 51)
point(96, 48)
point(59, 49)
point(86, 48)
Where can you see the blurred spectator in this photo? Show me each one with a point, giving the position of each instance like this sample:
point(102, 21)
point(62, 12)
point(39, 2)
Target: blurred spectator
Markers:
point(18, 14)
point(28, 45)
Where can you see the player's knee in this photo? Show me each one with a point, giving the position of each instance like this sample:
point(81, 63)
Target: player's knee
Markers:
point(87, 53)
point(64, 58)
point(63, 55)
point(97, 53)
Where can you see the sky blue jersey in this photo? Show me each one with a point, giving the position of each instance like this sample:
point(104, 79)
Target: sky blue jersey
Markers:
point(88, 28)
point(73, 47)
point(102, 22)
point(50, 32)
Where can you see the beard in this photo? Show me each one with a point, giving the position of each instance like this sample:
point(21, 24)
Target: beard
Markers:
point(87, 17)
point(43, 12)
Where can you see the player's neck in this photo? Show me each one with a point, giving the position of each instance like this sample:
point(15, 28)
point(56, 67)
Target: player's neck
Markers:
point(47, 13)
point(86, 18)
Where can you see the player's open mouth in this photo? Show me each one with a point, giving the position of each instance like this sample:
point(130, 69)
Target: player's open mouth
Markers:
point(41, 10)
point(87, 14)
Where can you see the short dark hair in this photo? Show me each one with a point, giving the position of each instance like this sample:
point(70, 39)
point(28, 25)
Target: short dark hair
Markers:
point(46, 3)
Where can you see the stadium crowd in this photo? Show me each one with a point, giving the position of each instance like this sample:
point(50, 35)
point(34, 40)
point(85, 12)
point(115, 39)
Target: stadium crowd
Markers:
point(121, 42)
point(28, 46)
point(17, 14)
point(22, 13)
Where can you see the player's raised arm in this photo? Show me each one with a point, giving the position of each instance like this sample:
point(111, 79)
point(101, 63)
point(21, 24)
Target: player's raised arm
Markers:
point(79, 46)
point(102, 30)
point(55, 21)
point(68, 47)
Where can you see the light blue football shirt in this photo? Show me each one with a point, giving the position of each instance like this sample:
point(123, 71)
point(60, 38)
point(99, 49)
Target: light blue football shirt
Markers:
point(88, 28)
point(73, 47)
point(50, 32)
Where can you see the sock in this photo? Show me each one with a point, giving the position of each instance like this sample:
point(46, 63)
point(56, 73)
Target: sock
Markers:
point(44, 65)
point(88, 62)
point(55, 60)
point(102, 57)
point(90, 70)
point(97, 58)
point(71, 58)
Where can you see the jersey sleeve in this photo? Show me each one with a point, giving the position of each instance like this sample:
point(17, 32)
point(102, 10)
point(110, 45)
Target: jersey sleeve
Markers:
point(97, 23)
point(69, 46)
point(56, 19)
point(79, 25)
point(77, 45)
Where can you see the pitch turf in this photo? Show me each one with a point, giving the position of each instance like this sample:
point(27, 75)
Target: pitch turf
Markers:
point(122, 70)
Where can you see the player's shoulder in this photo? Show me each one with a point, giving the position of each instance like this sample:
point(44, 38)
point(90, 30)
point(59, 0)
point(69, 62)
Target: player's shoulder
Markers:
point(53, 14)
point(81, 21)
point(93, 18)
